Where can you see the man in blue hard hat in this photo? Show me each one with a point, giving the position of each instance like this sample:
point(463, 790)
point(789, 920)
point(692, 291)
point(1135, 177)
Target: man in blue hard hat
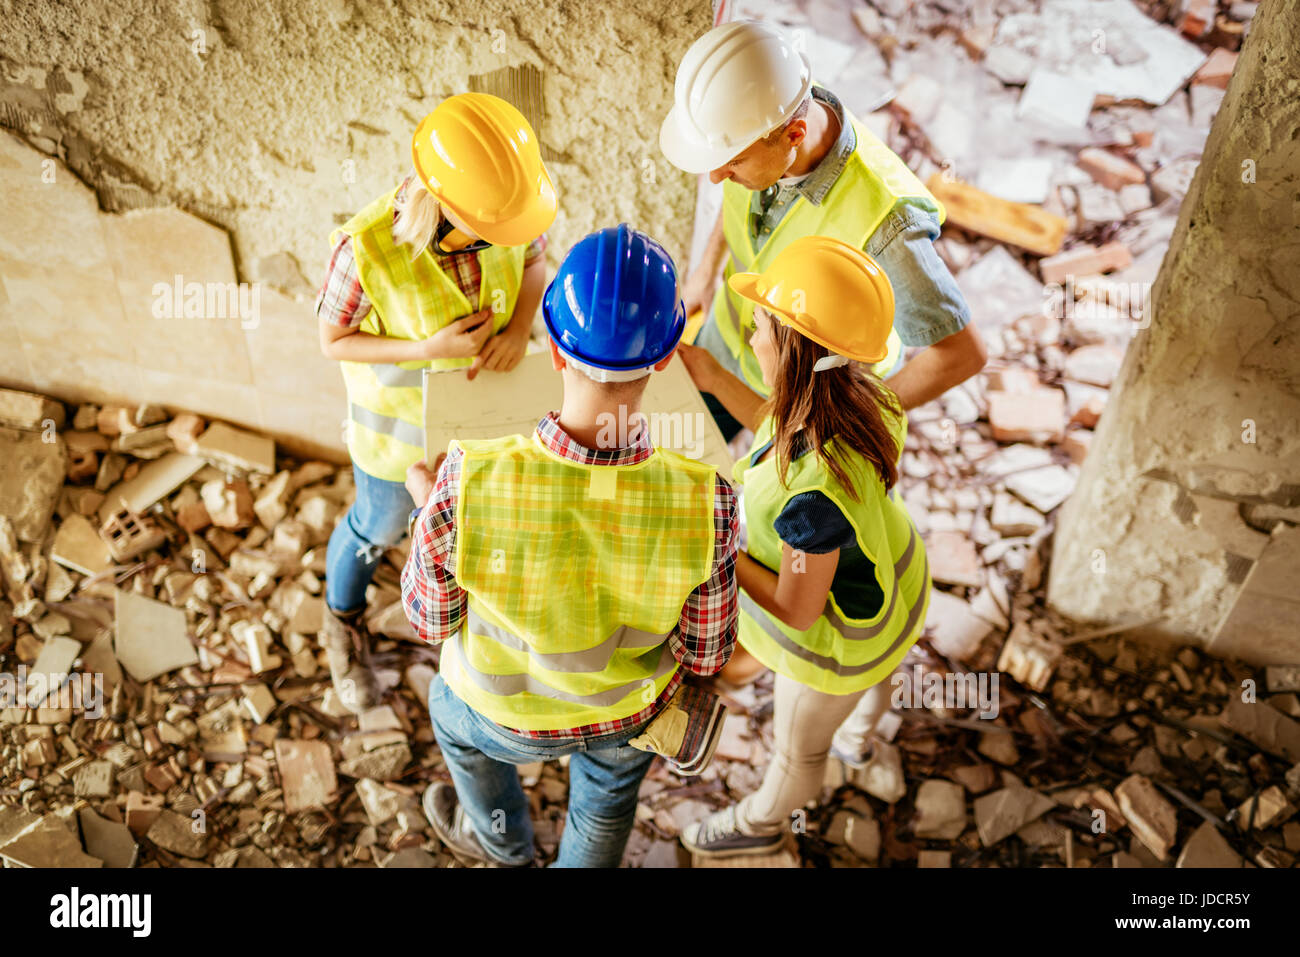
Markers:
point(571, 580)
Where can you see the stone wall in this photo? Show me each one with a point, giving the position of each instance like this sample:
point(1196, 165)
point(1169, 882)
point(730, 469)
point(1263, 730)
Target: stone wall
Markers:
point(1193, 482)
point(275, 122)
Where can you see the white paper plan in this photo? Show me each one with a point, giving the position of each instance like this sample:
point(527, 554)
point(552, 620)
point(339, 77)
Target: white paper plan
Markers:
point(510, 403)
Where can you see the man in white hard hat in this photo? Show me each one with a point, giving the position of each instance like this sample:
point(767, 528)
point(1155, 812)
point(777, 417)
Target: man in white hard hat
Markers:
point(794, 162)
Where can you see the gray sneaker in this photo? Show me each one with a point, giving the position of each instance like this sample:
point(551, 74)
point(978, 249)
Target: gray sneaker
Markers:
point(718, 835)
point(443, 809)
point(854, 760)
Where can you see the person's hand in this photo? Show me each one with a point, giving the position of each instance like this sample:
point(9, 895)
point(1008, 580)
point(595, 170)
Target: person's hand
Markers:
point(420, 480)
point(502, 352)
point(702, 366)
point(460, 339)
point(697, 292)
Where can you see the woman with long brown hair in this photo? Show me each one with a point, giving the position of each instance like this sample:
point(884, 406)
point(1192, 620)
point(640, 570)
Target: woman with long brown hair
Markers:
point(834, 584)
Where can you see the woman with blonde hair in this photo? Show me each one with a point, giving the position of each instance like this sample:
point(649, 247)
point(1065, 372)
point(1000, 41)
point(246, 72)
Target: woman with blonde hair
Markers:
point(446, 270)
point(834, 584)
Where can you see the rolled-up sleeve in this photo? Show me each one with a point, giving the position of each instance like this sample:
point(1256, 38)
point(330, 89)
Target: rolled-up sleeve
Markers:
point(434, 602)
point(928, 305)
point(706, 633)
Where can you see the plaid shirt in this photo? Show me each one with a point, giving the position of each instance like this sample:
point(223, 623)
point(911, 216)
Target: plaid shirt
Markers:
point(343, 302)
point(435, 603)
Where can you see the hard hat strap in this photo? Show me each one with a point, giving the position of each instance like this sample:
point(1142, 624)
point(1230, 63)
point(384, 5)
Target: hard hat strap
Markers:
point(831, 361)
point(607, 375)
point(445, 229)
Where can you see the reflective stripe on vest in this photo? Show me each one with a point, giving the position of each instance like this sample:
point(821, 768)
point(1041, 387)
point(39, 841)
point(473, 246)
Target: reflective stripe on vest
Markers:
point(591, 659)
point(873, 180)
point(411, 298)
point(837, 654)
point(908, 633)
point(395, 377)
point(388, 425)
point(576, 576)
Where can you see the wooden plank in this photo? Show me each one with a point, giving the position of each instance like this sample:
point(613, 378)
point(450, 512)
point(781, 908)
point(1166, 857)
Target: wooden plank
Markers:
point(1020, 224)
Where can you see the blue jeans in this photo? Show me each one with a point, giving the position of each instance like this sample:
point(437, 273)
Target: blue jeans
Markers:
point(605, 775)
point(376, 521)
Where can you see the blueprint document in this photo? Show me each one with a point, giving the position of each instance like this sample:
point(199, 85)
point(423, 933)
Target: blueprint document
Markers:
point(506, 403)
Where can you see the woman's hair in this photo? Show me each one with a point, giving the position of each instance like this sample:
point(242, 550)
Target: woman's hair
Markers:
point(418, 215)
point(847, 404)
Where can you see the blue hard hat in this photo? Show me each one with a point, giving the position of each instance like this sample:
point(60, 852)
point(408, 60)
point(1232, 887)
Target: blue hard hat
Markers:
point(614, 304)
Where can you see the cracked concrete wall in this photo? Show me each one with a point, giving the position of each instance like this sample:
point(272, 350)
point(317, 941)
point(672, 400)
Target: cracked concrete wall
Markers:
point(1197, 458)
point(278, 120)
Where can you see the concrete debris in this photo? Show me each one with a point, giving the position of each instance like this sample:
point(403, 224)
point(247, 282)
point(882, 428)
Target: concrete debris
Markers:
point(1152, 818)
point(1044, 488)
point(1264, 726)
point(940, 810)
point(77, 546)
point(957, 630)
point(1207, 848)
point(228, 447)
point(1028, 658)
point(109, 841)
point(953, 559)
point(152, 637)
point(34, 466)
point(1004, 812)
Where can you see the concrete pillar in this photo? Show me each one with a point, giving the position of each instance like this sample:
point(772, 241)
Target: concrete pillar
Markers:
point(1189, 497)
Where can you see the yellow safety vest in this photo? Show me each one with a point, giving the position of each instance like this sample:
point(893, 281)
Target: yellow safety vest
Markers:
point(410, 299)
point(873, 180)
point(576, 576)
point(838, 654)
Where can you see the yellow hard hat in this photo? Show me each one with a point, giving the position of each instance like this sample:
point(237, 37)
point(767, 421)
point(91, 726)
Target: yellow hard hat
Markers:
point(479, 157)
point(829, 291)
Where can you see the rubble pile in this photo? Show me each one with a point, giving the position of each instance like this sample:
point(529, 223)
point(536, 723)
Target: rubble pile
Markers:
point(1114, 754)
point(181, 562)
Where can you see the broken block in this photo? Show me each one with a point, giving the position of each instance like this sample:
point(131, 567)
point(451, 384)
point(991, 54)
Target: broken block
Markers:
point(229, 503)
point(306, 774)
point(1012, 517)
point(184, 431)
point(883, 776)
point(956, 631)
point(142, 810)
point(1044, 488)
point(1266, 809)
point(1217, 69)
point(1037, 416)
point(1085, 260)
point(224, 445)
point(179, 834)
point(953, 559)
point(272, 501)
point(1208, 848)
point(1002, 813)
point(129, 534)
point(940, 810)
point(30, 411)
point(1028, 658)
point(1152, 818)
point(1111, 171)
point(152, 637)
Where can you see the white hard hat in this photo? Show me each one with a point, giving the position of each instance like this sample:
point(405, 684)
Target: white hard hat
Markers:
point(736, 83)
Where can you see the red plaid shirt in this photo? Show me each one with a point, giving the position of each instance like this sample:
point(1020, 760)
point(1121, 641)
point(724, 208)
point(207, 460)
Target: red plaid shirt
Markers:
point(344, 303)
point(435, 602)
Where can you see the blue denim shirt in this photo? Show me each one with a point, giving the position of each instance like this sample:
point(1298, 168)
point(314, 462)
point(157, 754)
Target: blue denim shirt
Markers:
point(928, 306)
